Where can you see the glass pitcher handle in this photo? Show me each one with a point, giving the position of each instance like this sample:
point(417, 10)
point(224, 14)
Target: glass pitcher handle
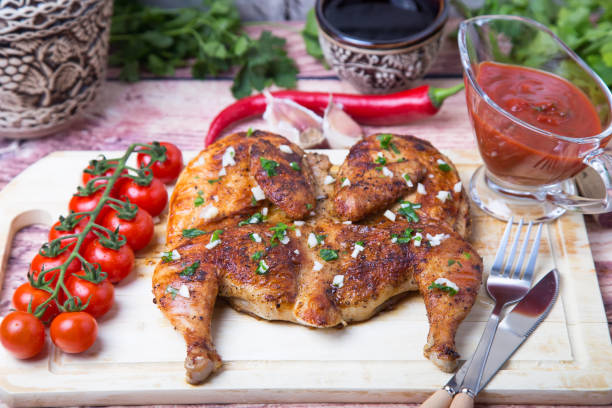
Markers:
point(601, 162)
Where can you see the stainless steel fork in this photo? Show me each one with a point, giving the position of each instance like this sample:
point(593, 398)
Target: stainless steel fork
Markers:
point(505, 286)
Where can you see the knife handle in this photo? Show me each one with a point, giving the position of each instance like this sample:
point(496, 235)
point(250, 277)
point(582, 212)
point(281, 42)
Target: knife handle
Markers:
point(462, 400)
point(439, 399)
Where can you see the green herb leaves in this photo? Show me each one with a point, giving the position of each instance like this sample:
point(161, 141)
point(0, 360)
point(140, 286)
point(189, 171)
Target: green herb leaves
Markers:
point(191, 269)
point(386, 143)
point(328, 254)
point(310, 34)
point(199, 200)
point(407, 210)
point(253, 219)
point(192, 233)
point(295, 166)
point(161, 40)
point(269, 166)
point(442, 286)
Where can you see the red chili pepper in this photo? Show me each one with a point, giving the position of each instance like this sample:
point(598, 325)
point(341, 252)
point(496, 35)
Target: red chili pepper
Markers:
point(391, 109)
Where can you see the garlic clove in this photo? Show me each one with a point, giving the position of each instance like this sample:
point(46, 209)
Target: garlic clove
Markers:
point(339, 128)
point(297, 123)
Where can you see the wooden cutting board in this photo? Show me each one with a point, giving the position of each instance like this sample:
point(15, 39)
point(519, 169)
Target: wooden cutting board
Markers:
point(138, 358)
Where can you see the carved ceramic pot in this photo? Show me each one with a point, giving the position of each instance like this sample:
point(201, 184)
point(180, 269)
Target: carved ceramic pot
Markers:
point(52, 62)
point(384, 66)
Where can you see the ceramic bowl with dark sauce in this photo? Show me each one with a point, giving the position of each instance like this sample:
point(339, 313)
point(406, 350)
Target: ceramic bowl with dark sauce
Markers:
point(381, 46)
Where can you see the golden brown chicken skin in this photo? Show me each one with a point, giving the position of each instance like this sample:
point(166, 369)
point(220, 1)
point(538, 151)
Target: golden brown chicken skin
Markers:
point(383, 169)
point(317, 271)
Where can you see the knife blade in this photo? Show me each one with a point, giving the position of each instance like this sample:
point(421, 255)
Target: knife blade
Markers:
point(514, 329)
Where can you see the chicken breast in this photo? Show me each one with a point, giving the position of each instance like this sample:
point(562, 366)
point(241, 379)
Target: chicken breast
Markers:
point(287, 256)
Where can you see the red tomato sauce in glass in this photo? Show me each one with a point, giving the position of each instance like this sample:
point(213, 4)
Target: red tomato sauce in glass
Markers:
point(543, 100)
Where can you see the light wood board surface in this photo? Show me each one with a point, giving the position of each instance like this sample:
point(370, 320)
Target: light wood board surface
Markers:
point(138, 357)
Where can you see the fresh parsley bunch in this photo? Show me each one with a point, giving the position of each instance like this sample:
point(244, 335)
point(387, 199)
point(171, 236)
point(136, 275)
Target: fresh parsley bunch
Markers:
point(584, 25)
point(209, 40)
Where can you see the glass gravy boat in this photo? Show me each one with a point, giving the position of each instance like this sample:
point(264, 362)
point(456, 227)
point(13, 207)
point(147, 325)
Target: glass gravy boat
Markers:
point(529, 171)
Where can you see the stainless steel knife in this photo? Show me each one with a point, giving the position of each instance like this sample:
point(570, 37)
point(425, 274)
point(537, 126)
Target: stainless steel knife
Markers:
point(511, 333)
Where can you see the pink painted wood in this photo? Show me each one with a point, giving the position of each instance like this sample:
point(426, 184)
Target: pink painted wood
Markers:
point(180, 109)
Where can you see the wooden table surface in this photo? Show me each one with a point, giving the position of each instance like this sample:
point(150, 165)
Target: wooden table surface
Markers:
point(180, 109)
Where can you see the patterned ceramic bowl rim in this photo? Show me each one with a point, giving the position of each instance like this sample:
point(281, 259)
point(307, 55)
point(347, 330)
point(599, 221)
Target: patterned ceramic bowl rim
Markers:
point(374, 51)
point(359, 44)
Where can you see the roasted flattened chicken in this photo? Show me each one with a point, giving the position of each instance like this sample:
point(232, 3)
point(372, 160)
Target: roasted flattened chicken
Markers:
point(284, 236)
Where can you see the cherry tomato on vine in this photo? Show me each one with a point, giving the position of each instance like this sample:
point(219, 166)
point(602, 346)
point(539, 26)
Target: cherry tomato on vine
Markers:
point(108, 173)
point(55, 233)
point(166, 171)
point(116, 263)
point(101, 296)
point(22, 334)
point(26, 294)
point(85, 203)
point(74, 332)
point(41, 262)
point(152, 198)
point(138, 231)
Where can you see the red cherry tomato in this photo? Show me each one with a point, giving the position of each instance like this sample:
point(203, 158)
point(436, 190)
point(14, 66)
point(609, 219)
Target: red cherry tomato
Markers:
point(74, 332)
point(101, 296)
point(85, 203)
point(42, 262)
point(152, 198)
point(55, 233)
point(138, 231)
point(22, 334)
point(26, 294)
point(116, 263)
point(108, 173)
point(168, 170)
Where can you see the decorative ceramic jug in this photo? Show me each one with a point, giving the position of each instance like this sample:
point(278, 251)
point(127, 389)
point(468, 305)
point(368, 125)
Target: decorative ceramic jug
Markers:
point(52, 62)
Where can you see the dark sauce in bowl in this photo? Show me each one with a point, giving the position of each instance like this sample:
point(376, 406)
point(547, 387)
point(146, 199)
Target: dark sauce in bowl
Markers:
point(380, 21)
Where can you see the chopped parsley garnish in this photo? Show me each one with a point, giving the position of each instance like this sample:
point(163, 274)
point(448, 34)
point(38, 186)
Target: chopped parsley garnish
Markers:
point(386, 143)
point(381, 160)
point(257, 255)
point(328, 254)
point(407, 210)
point(213, 181)
point(263, 268)
point(444, 288)
point(253, 201)
point(166, 257)
point(407, 178)
point(360, 243)
point(253, 219)
point(295, 166)
point(467, 255)
point(269, 166)
point(451, 262)
point(401, 160)
point(405, 238)
point(343, 179)
point(320, 238)
point(173, 292)
point(249, 132)
point(252, 237)
point(309, 206)
point(280, 230)
point(191, 269)
point(444, 166)
point(384, 140)
point(192, 233)
point(199, 200)
point(215, 235)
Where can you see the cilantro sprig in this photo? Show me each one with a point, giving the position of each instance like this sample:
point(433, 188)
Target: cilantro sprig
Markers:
point(269, 166)
point(210, 40)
